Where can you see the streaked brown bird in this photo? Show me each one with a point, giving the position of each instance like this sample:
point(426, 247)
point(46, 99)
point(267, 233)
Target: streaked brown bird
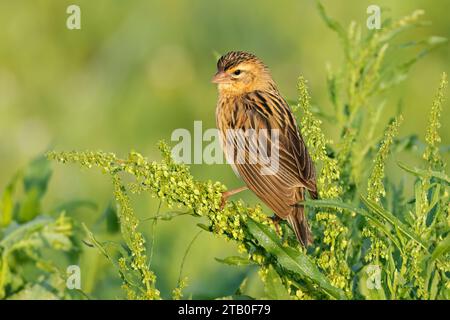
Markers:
point(250, 101)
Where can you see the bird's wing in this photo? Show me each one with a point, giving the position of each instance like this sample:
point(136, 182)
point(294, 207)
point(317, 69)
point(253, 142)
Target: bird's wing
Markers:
point(267, 114)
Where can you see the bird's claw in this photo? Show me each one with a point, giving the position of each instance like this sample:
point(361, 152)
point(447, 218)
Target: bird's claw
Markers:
point(223, 201)
point(227, 194)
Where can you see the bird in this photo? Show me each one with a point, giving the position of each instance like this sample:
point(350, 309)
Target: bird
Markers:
point(249, 101)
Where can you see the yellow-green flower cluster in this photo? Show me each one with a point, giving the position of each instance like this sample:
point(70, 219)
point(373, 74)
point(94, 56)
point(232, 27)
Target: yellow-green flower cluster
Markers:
point(134, 240)
point(375, 190)
point(375, 185)
point(177, 293)
point(414, 272)
point(61, 226)
point(345, 160)
point(172, 183)
point(301, 295)
point(333, 259)
point(414, 253)
point(233, 218)
point(363, 85)
point(364, 57)
point(327, 181)
point(29, 239)
point(432, 137)
point(263, 272)
point(128, 220)
point(406, 21)
point(378, 247)
point(106, 161)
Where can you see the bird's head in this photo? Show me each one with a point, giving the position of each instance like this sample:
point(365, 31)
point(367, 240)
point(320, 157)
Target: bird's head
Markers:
point(240, 72)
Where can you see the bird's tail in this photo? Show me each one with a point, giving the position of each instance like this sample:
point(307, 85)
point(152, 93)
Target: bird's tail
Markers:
point(298, 222)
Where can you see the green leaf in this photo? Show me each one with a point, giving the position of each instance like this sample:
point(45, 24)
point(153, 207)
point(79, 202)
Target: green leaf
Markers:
point(7, 203)
point(393, 75)
point(339, 204)
point(274, 287)
point(37, 175)
point(36, 234)
point(15, 234)
point(393, 220)
point(72, 205)
point(425, 173)
point(5, 274)
point(291, 259)
point(126, 275)
point(112, 219)
point(57, 240)
point(35, 181)
point(235, 261)
point(34, 292)
point(442, 248)
point(434, 286)
point(30, 206)
point(335, 26)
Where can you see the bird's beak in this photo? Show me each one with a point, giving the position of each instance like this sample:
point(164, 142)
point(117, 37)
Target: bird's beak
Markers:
point(220, 77)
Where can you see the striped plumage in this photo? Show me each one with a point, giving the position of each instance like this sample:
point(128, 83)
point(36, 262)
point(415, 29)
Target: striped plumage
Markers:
point(249, 100)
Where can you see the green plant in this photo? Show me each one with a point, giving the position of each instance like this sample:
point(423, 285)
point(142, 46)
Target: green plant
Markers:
point(31, 239)
point(373, 240)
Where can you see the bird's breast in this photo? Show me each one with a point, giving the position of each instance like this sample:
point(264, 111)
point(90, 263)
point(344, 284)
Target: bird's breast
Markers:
point(227, 113)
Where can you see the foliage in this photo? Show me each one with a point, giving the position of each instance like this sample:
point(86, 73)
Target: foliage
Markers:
point(171, 182)
point(375, 238)
point(26, 236)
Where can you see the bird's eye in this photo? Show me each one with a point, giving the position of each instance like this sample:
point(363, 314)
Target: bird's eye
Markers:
point(237, 72)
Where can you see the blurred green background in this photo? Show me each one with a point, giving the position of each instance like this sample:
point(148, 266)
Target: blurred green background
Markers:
point(137, 70)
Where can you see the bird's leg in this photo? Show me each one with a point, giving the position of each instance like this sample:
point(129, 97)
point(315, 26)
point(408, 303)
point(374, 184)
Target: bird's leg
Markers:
point(276, 222)
point(227, 194)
